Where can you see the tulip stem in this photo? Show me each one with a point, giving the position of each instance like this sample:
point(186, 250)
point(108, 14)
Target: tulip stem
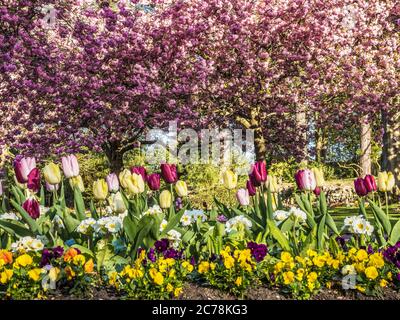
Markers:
point(387, 203)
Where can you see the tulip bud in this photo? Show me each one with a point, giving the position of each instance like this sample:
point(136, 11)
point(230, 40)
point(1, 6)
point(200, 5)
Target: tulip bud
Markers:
point(153, 181)
point(165, 199)
point(140, 170)
point(31, 206)
point(243, 197)
point(100, 189)
point(52, 173)
point(117, 203)
point(317, 191)
point(52, 187)
point(34, 180)
point(360, 187)
point(258, 174)
point(169, 173)
point(70, 166)
point(386, 181)
point(112, 182)
point(319, 176)
point(22, 168)
point(272, 184)
point(305, 180)
point(181, 188)
point(251, 188)
point(77, 182)
point(229, 179)
point(370, 183)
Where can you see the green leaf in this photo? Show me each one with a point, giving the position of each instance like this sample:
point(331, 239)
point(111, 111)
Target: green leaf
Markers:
point(395, 234)
point(140, 236)
point(79, 204)
point(173, 221)
point(130, 228)
point(42, 197)
point(321, 232)
point(103, 253)
point(322, 203)
point(83, 249)
point(278, 236)
point(27, 218)
point(15, 228)
point(331, 224)
point(381, 215)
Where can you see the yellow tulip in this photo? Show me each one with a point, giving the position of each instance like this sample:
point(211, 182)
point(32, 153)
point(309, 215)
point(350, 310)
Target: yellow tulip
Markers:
point(229, 179)
point(319, 176)
point(386, 181)
point(77, 182)
point(272, 183)
point(100, 189)
point(117, 203)
point(52, 173)
point(132, 182)
point(181, 188)
point(138, 183)
point(124, 178)
point(165, 199)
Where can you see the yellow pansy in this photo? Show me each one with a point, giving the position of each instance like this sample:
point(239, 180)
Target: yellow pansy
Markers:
point(204, 266)
point(288, 277)
point(169, 287)
point(34, 274)
point(319, 261)
point(371, 273)
point(188, 266)
point(311, 253)
point(361, 255)
point(177, 292)
point(312, 277)
point(5, 276)
point(158, 279)
point(229, 262)
point(376, 260)
point(238, 281)
point(23, 260)
point(383, 283)
point(79, 260)
point(286, 257)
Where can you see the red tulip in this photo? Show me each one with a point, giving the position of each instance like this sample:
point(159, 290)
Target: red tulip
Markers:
point(32, 207)
point(360, 187)
point(168, 172)
point(317, 191)
point(370, 183)
point(258, 174)
point(251, 188)
point(140, 170)
point(153, 181)
point(34, 180)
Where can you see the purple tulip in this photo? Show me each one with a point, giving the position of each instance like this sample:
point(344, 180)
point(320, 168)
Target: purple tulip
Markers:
point(243, 197)
point(251, 188)
point(305, 180)
point(360, 187)
point(258, 174)
point(140, 170)
point(34, 180)
point(52, 187)
point(153, 181)
point(22, 167)
point(32, 207)
point(169, 173)
point(112, 182)
point(70, 166)
point(370, 183)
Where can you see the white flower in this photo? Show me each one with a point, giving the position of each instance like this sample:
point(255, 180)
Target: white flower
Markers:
point(86, 226)
point(348, 221)
point(186, 220)
point(359, 225)
point(196, 214)
point(163, 225)
point(153, 210)
point(58, 221)
point(369, 229)
point(113, 226)
point(298, 213)
point(280, 215)
point(348, 269)
point(175, 237)
point(26, 244)
point(9, 216)
point(238, 223)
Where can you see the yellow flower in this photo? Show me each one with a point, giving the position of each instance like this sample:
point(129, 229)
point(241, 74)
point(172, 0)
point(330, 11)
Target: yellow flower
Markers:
point(329, 284)
point(23, 260)
point(79, 260)
point(376, 260)
point(133, 183)
point(89, 265)
point(5, 257)
point(53, 273)
point(311, 253)
point(165, 199)
point(212, 266)
point(319, 176)
point(301, 260)
point(383, 283)
point(169, 287)
point(181, 188)
point(360, 267)
point(229, 262)
point(352, 251)
point(187, 265)
point(361, 255)
point(312, 277)
point(52, 173)
point(70, 273)
point(229, 179)
point(34, 274)
point(70, 254)
point(158, 278)
point(238, 281)
point(5, 276)
point(360, 288)
point(371, 273)
point(77, 182)
point(319, 261)
point(112, 278)
point(311, 285)
point(335, 264)
point(300, 274)
point(204, 266)
point(288, 277)
point(153, 272)
point(177, 292)
point(386, 181)
point(172, 273)
point(389, 275)
point(279, 266)
point(286, 257)
point(272, 183)
point(100, 189)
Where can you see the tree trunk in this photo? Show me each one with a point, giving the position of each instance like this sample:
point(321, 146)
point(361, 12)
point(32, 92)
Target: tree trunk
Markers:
point(385, 142)
point(365, 145)
point(302, 125)
point(115, 158)
point(259, 144)
point(394, 146)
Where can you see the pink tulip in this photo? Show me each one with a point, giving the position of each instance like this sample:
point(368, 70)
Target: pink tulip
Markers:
point(52, 187)
point(251, 188)
point(112, 182)
point(32, 207)
point(70, 166)
point(305, 180)
point(168, 172)
point(34, 180)
point(370, 183)
point(317, 191)
point(140, 170)
point(258, 174)
point(243, 197)
point(1, 188)
point(22, 167)
point(153, 181)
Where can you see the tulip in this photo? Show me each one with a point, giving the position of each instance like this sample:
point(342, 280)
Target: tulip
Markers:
point(77, 182)
point(31, 206)
point(117, 203)
point(370, 183)
point(140, 170)
point(258, 173)
point(243, 197)
point(229, 179)
point(319, 177)
point(317, 191)
point(153, 180)
point(100, 189)
point(34, 180)
point(386, 181)
point(272, 184)
point(305, 180)
point(22, 167)
point(124, 178)
point(181, 188)
point(251, 188)
point(359, 186)
point(52, 187)
point(112, 182)
point(165, 199)
point(138, 183)
point(70, 166)
point(169, 173)
point(52, 173)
